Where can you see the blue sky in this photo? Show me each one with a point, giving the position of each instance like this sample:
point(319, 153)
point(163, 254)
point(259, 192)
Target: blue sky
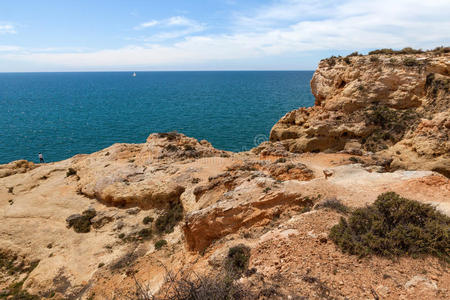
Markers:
point(100, 35)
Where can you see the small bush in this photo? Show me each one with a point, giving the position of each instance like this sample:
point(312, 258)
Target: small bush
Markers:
point(71, 172)
point(145, 233)
point(166, 222)
point(382, 51)
point(159, 244)
point(407, 50)
point(237, 259)
point(354, 54)
point(331, 61)
point(347, 61)
point(333, 204)
point(410, 62)
point(374, 59)
point(147, 220)
point(394, 226)
point(81, 223)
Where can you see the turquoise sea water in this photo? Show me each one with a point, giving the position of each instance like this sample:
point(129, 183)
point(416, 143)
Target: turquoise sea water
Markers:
point(63, 114)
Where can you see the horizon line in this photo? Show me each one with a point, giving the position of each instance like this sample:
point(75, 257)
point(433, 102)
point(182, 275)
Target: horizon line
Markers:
point(148, 71)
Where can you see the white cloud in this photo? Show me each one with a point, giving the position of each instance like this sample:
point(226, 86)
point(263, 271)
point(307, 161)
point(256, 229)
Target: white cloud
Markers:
point(146, 25)
point(7, 28)
point(9, 48)
point(171, 28)
point(284, 28)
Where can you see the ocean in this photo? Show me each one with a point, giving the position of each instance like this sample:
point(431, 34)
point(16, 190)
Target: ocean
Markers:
point(63, 114)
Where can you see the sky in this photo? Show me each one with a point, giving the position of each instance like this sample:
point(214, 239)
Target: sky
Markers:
point(137, 35)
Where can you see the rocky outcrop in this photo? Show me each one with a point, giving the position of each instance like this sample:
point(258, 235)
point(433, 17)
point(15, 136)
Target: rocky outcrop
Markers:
point(107, 224)
point(16, 167)
point(396, 105)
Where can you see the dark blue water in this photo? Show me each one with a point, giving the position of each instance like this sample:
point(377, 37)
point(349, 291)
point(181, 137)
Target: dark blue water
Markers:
point(63, 114)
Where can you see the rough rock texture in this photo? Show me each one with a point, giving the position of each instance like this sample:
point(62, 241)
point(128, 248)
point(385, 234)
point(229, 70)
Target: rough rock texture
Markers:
point(128, 197)
point(97, 226)
point(397, 105)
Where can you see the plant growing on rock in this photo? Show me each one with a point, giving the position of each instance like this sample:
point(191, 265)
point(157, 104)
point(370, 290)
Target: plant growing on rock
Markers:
point(81, 223)
point(147, 220)
point(166, 222)
point(394, 226)
point(159, 244)
point(410, 62)
point(237, 260)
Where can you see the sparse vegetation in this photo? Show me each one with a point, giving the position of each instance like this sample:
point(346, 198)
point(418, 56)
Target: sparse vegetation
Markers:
point(147, 220)
point(333, 204)
point(410, 62)
point(407, 50)
point(191, 286)
point(392, 124)
point(166, 222)
point(394, 226)
point(11, 264)
point(15, 292)
point(145, 233)
point(374, 59)
point(159, 244)
point(237, 260)
point(331, 61)
point(392, 61)
point(353, 54)
point(81, 223)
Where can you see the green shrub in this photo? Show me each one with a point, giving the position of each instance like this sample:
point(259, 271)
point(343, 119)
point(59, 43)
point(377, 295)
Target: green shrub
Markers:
point(81, 223)
point(374, 59)
point(166, 222)
point(410, 62)
point(382, 51)
point(394, 226)
point(347, 60)
point(237, 260)
point(354, 54)
point(147, 220)
point(145, 233)
point(159, 244)
point(407, 50)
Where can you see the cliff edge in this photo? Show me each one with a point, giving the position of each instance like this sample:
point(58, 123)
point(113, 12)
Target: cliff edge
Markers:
point(393, 104)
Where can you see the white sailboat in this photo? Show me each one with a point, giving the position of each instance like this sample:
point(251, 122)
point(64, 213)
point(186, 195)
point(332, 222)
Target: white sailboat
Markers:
point(134, 74)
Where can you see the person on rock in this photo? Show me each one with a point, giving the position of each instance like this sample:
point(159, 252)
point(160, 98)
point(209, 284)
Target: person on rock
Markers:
point(41, 158)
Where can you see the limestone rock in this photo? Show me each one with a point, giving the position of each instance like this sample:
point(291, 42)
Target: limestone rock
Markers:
point(377, 103)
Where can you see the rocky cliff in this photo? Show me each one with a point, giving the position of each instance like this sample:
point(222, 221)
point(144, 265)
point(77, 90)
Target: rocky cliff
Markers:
point(395, 105)
point(129, 221)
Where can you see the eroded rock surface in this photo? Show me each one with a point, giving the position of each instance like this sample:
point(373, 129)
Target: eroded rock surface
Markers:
point(397, 105)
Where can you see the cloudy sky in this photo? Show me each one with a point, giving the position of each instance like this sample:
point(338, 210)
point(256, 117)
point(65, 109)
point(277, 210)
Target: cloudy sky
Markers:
point(87, 35)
